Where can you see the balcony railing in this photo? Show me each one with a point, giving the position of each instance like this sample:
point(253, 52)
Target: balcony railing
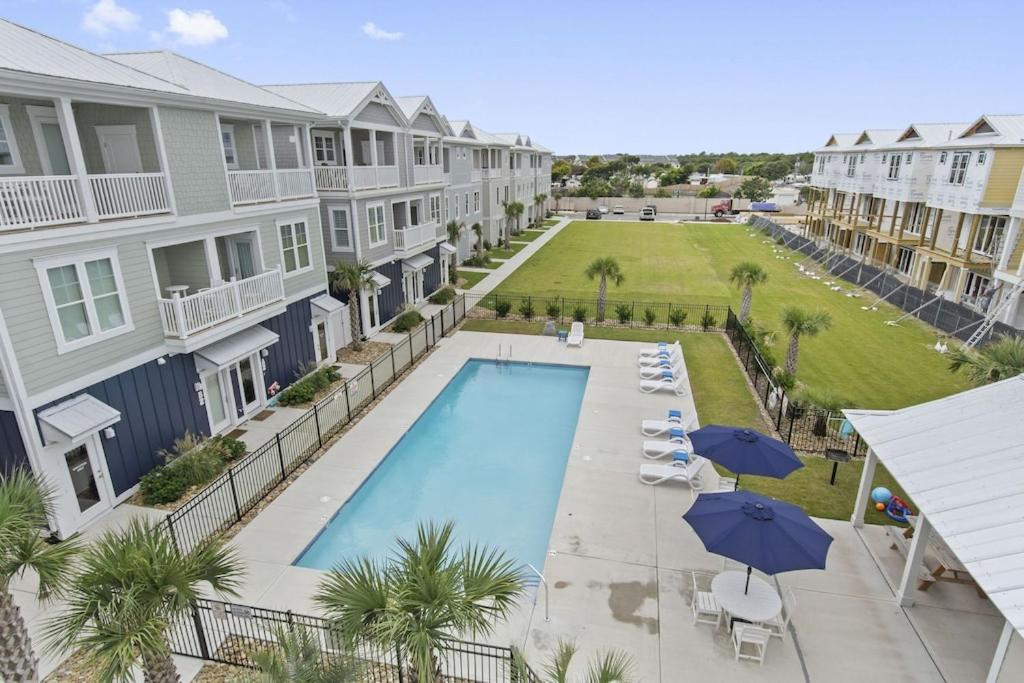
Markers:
point(490, 172)
point(331, 178)
point(371, 177)
point(423, 175)
point(414, 236)
point(121, 195)
point(294, 183)
point(185, 316)
point(256, 187)
point(476, 174)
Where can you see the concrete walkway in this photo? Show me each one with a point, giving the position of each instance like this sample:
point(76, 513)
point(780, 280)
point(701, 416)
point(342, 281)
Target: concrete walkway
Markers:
point(498, 275)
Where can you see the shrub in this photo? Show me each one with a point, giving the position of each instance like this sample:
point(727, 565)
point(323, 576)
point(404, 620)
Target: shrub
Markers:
point(677, 317)
point(229, 448)
point(407, 320)
point(579, 314)
point(305, 389)
point(487, 245)
point(162, 484)
point(526, 309)
point(502, 308)
point(785, 380)
point(624, 313)
point(650, 315)
point(445, 295)
point(199, 466)
point(190, 462)
point(708, 320)
point(478, 261)
point(554, 310)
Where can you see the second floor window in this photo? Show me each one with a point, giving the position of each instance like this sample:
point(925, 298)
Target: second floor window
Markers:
point(323, 149)
point(467, 203)
point(9, 159)
point(821, 164)
point(958, 169)
point(86, 299)
point(894, 166)
point(294, 246)
point(375, 224)
point(435, 208)
point(851, 165)
point(476, 202)
point(227, 136)
point(340, 230)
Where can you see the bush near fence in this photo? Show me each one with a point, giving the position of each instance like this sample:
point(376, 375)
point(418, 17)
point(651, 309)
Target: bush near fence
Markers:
point(236, 492)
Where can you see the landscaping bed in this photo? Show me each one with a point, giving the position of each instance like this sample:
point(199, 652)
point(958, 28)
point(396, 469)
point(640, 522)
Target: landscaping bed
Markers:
point(366, 355)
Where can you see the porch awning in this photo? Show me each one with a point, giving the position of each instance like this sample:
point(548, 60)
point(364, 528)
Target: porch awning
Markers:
point(381, 281)
point(447, 248)
point(417, 262)
point(325, 304)
point(234, 348)
point(76, 417)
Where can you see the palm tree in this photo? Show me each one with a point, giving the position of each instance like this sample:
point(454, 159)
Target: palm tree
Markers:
point(606, 268)
point(454, 232)
point(478, 230)
point(747, 274)
point(132, 587)
point(538, 201)
point(801, 323)
point(995, 361)
point(352, 278)
point(25, 505)
point(422, 595)
point(608, 667)
point(513, 210)
point(298, 658)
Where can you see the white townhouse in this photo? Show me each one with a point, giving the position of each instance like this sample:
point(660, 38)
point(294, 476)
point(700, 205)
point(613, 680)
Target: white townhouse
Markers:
point(464, 158)
point(162, 267)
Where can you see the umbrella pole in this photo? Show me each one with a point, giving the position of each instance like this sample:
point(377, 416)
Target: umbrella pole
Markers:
point(736, 486)
point(747, 587)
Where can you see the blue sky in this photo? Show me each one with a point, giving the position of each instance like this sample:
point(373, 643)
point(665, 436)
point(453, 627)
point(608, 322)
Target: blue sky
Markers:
point(643, 77)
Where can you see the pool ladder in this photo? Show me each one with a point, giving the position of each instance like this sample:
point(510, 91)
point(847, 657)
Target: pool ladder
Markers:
point(543, 582)
point(499, 359)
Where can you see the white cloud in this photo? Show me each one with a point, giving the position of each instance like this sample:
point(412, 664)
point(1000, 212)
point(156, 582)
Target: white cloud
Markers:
point(198, 27)
point(377, 33)
point(107, 15)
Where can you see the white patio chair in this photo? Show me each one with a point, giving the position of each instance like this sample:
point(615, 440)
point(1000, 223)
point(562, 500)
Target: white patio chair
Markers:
point(661, 348)
point(753, 636)
point(650, 361)
point(779, 626)
point(705, 607)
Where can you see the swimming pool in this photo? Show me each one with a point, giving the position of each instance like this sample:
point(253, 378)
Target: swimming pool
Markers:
point(489, 453)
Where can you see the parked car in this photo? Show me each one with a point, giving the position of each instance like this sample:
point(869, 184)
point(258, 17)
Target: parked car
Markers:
point(647, 214)
point(618, 210)
point(653, 208)
point(603, 208)
point(593, 214)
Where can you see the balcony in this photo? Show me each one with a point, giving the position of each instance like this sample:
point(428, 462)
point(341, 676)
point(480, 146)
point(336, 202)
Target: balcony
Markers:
point(427, 174)
point(373, 177)
point(490, 173)
point(410, 239)
point(184, 317)
point(331, 178)
point(257, 187)
point(476, 174)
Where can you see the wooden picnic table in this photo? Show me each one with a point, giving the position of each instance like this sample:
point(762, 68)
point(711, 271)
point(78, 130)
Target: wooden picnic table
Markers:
point(947, 567)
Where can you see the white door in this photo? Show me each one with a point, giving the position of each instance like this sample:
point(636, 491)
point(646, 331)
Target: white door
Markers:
point(49, 140)
point(243, 258)
point(218, 401)
point(372, 318)
point(89, 490)
point(322, 340)
point(119, 147)
point(445, 264)
point(250, 384)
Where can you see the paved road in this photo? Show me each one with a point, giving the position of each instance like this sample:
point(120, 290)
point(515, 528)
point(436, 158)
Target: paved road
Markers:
point(634, 216)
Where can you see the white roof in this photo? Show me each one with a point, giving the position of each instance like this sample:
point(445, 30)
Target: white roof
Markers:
point(417, 262)
point(447, 248)
point(239, 345)
point(961, 461)
point(929, 134)
point(839, 142)
point(410, 105)
point(876, 137)
point(333, 99)
point(76, 417)
point(202, 80)
point(991, 131)
point(326, 303)
point(380, 280)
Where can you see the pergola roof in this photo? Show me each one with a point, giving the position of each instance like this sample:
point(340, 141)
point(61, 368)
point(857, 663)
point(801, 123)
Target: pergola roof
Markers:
point(961, 461)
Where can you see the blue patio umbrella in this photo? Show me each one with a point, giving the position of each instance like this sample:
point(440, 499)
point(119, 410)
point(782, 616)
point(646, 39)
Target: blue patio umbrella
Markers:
point(745, 451)
point(760, 532)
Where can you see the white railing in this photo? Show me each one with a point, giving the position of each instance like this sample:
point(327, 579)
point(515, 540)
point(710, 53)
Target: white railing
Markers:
point(491, 172)
point(31, 202)
point(184, 316)
point(416, 235)
point(331, 178)
point(121, 195)
point(293, 183)
point(423, 175)
point(368, 177)
point(476, 174)
point(251, 187)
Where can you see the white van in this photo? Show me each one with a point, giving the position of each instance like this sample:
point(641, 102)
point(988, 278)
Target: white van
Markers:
point(647, 214)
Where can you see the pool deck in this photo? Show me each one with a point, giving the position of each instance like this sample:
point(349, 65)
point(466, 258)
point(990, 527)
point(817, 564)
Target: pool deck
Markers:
point(620, 557)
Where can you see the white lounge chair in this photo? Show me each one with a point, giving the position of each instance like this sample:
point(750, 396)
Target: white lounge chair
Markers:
point(662, 347)
point(678, 446)
point(650, 361)
point(667, 382)
point(659, 427)
point(575, 335)
point(675, 367)
point(652, 474)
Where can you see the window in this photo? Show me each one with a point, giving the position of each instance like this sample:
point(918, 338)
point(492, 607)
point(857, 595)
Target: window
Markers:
point(821, 164)
point(958, 169)
point(456, 198)
point(894, 166)
point(989, 235)
point(905, 260)
point(323, 148)
point(981, 158)
point(435, 208)
point(294, 246)
point(915, 219)
point(466, 197)
point(942, 158)
point(85, 299)
point(341, 231)
point(910, 158)
point(227, 136)
point(884, 157)
point(851, 165)
point(976, 289)
point(375, 224)
point(476, 202)
point(447, 212)
point(419, 155)
point(862, 158)
point(10, 160)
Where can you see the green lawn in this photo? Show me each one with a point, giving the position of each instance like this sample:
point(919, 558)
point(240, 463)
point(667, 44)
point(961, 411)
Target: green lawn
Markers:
point(471, 277)
point(526, 236)
point(500, 252)
point(722, 397)
point(550, 221)
point(860, 359)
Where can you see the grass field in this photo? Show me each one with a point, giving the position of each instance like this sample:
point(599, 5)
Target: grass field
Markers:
point(860, 359)
point(471, 277)
point(723, 397)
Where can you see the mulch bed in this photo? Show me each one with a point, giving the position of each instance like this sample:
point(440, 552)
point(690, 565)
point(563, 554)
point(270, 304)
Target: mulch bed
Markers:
point(370, 351)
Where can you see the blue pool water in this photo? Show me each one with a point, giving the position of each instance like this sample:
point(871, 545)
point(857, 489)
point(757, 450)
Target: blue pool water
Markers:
point(489, 453)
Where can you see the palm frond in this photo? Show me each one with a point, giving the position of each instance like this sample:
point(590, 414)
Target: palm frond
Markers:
point(612, 666)
point(557, 668)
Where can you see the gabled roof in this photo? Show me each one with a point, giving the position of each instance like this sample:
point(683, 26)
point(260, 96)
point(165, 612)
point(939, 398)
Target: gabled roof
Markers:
point(490, 138)
point(341, 100)
point(462, 129)
point(512, 139)
point(991, 131)
point(839, 142)
point(961, 460)
point(928, 134)
point(30, 52)
point(204, 81)
point(413, 106)
point(876, 137)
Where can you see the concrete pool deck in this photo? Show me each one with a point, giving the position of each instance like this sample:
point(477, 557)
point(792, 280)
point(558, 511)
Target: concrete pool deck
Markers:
point(620, 557)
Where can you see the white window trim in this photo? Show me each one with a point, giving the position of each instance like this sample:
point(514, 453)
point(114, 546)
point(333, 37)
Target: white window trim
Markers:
point(278, 224)
point(331, 208)
point(430, 208)
point(44, 264)
point(369, 231)
point(319, 133)
point(18, 167)
point(229, 128)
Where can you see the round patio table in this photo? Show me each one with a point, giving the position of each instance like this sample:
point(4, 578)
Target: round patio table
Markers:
point(760, 603)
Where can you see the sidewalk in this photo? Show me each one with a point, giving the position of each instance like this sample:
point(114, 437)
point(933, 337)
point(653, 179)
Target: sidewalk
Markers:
point(498, 275)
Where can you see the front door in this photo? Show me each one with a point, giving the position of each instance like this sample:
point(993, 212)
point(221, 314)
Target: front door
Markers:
point(218, 401)
point(372, 311)
point(49, 140)
point(88, 488)
point(250, 384)
point(320, 340)
point(445, 264)
point(119, 147)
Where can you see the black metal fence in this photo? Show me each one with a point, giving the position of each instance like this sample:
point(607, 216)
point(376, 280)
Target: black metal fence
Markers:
point(227, 499)
point(231, 633)
point(948, 317)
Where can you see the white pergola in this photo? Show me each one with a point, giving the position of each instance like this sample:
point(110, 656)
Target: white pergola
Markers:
point(960, 459)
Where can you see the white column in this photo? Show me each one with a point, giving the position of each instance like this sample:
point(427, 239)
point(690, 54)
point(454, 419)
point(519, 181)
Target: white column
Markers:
point(271, 159)
point(1012, 233)
point(308, 145)
point(373, 158)
point(161, 152)
point(915, 562)
point(76, 159)
point(212, 262)
point(867, 476)
point(1000, 654)
point(347, 141)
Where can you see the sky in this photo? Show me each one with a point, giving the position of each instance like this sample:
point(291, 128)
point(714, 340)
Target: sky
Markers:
point(602, 77)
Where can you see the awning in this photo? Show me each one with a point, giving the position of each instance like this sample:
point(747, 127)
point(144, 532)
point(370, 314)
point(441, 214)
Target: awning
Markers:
point(325, 304)
point(75, 418)
point(417, 262)
point(381, 281)
point(447, 248)
point(234, 348)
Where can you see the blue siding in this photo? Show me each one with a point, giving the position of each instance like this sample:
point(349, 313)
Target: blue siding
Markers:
point(12, 448)
point(391, 299)
point(432, 276)
point(295, 346)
